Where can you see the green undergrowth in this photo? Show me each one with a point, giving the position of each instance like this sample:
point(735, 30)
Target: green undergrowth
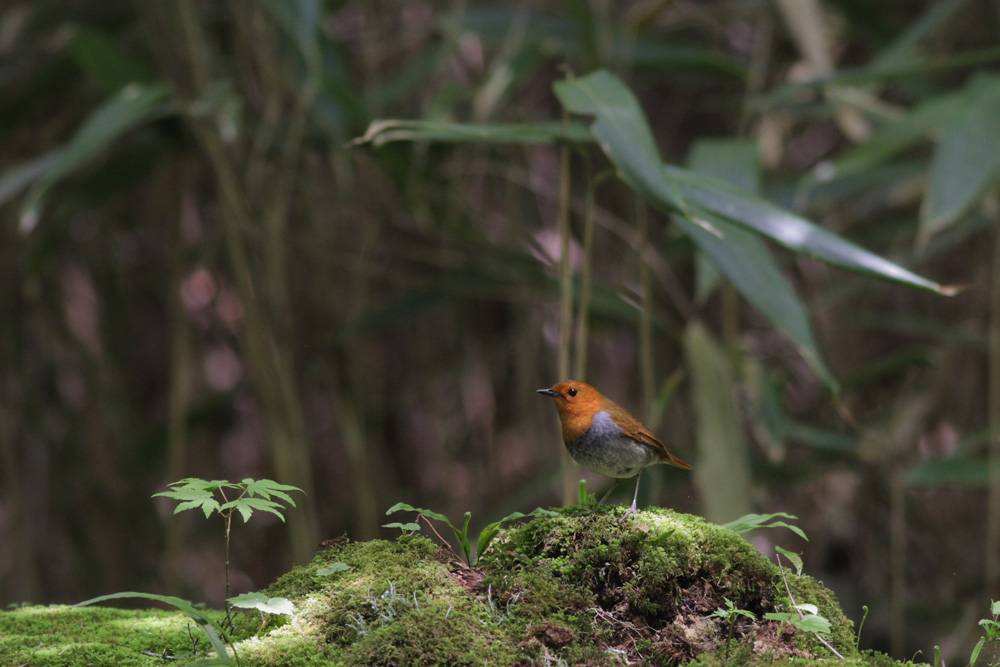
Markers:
point(57, 635)
point(570, 589)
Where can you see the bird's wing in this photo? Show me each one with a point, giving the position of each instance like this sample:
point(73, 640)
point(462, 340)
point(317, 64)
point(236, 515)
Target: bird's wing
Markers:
point(643, 435)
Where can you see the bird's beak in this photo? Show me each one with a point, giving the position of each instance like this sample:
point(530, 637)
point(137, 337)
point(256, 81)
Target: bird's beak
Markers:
point(548, 392)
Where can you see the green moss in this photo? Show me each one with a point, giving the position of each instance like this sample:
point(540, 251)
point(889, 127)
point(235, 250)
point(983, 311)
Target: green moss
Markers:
point(748, 659)
point(582, 589)
point(432, 636)
point(59, 635)
point(610, 579)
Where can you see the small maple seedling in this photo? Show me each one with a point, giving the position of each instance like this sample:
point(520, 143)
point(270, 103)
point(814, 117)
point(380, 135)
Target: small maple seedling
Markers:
point(251, 495)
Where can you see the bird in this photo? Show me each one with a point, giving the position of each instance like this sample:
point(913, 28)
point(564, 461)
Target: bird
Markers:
point(604, 437)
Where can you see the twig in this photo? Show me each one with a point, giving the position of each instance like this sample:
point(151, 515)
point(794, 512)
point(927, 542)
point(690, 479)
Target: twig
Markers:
point(798, 611)
point(443, 541)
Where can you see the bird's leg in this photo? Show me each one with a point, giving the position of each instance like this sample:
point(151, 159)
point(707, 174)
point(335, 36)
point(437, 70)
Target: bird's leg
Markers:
point(631, 510)
point(605, 496)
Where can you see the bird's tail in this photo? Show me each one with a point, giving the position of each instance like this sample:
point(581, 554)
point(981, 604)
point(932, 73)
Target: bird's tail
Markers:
point(672, 460)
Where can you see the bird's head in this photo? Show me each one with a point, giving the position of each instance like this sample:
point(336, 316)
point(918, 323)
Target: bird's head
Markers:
point(576, 403)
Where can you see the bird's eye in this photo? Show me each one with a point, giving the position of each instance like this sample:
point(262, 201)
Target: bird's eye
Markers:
point(572, 392)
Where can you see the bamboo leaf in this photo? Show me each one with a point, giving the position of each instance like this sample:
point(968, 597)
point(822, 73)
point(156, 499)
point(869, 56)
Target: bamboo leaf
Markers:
point(734, 161)
point(132, 106)
point(381, 132)
point(744, 259)
point(941, 472)
point(621, 130)
point(967, 162)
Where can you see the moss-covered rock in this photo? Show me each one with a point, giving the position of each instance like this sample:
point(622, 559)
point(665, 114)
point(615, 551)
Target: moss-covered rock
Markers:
point(571, 589)
point(647, 590)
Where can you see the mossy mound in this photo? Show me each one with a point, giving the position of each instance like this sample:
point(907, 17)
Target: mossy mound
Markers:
point(569, 589)
point(646, 590)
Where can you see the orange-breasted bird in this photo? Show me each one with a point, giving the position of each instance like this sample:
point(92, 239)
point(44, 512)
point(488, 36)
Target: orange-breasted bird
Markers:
point(604, 437)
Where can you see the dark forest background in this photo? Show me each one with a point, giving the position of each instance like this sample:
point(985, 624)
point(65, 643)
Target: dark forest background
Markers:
point(202, 274)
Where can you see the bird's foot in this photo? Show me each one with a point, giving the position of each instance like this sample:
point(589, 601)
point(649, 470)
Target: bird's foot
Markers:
point(630, 512)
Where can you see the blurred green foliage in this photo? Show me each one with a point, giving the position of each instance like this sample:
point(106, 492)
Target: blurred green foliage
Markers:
point(320, 241)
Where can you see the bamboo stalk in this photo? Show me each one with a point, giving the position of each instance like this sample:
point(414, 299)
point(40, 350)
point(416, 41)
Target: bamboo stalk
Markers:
point(178, 396)
point(272, 368)
point(991, 574)
point(566, 473)
point(647, 370)
point(583, 307)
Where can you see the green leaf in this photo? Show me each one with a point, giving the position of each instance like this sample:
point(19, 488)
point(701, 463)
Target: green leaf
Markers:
point(381, 132)
point(652, 541)
point(622, 133)
point(333, 568)
point(889, 141)
point(581, 493)
point(186, 492)
point(731, 160)
point(988, 624)
point(730, 610)
point(976, 650)
point(402, 526)
point(749, 522)
point(208, 626)
point(793, 557)
point(207, 506)
point(485, 537)
point(734, 161)
point(18, 178)
point(813, 624)
point(621, 130)
point(744, 259)
point(261, 602)
point(490, 531)
point(136, 104)
point(403, 507)
point(463, 538)
point(967, 162)
point(954, 471)
point(705, 194)
point(246, 507)
point(267, 488)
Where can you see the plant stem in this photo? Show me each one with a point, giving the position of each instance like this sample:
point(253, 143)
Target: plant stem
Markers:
point(897, 560)
point(229, 523)
point(729, 639)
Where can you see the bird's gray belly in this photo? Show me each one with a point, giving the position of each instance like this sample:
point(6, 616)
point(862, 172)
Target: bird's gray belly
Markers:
point(606, 450)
